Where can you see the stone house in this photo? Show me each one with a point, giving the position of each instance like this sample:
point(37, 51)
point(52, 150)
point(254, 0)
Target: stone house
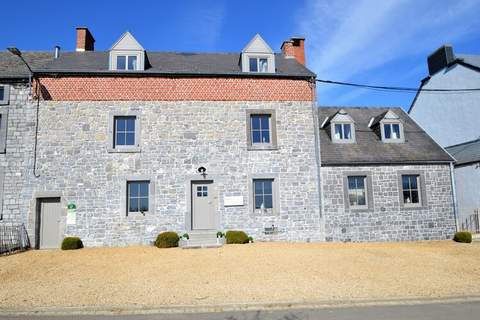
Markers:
point(383, 178)
point(116, 146)
point(126, 143)
point(451, 118)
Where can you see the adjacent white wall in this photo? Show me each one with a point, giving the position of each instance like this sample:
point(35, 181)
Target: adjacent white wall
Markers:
point(467, 180)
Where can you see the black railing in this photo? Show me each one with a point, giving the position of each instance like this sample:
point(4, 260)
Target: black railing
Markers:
point(13, 238)
point(472, 223)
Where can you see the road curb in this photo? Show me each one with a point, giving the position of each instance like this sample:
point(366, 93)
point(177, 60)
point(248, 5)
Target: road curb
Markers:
point(139, 310)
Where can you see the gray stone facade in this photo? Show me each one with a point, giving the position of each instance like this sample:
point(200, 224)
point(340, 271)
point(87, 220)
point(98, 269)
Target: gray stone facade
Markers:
point(387, 219)
point(74, 162)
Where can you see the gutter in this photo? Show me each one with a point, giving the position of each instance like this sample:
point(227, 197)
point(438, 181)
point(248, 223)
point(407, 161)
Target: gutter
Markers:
point(394, 163)
point(454, 195)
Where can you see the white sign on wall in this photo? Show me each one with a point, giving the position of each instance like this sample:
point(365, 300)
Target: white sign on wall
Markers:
point(231, 201)
point(71, 214)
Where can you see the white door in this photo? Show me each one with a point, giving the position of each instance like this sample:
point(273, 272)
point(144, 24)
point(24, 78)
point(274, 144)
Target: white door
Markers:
point(203, 208)
point(50, 213)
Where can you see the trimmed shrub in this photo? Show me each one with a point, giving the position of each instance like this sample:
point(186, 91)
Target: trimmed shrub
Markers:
point(72, 243)
point(236, 237)
point(463, 236)
point(167, 240)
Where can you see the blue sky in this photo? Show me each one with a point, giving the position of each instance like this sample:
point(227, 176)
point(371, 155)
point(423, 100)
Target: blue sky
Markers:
point(366, 41)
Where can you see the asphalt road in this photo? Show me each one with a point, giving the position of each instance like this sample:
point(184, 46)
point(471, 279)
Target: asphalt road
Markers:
point(438, 311)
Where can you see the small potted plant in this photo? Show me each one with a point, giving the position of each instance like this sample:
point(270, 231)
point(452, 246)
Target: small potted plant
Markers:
point(184, 239)
point(220, 238)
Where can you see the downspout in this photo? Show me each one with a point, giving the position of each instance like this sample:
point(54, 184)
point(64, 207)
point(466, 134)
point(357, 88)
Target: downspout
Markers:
point(37, 90)
point(454, 195)
point(312, 84)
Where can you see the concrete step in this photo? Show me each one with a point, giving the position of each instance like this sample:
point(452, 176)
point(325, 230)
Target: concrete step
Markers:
point(202, 239)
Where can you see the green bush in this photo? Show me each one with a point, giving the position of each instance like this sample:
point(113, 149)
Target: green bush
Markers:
point(72, 243)
point(238, 237)
point(463, 236)
point(167, 240)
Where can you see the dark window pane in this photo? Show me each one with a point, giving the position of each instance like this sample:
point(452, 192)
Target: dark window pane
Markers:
point(396, 131)
point(121, 62)
point(199, 194)
point(205, 193)
point(258, 185)
point(130, 139)
point(267, 187)
point(130, 124)
point(360, 182)
point(120, 139)
point(387, 131)
point(133, 205)
point(256, 137)
point(415, 198)
point(132, 63)
point(405, 182)
point(199, 188)
point(2, 93)
point(347, 131)
point(406, 197)
point(258, 202)
point(413, 182)
point(265, 122)
point(361, 199)
point(255, 122)
point(253, 64)
point(352, 196)
point(144, 189)
point(120, 124)
point(265, 136)
point(133, 189)
point(338, 131)
point(351, 183)
point(143, 204)
point(268, 204)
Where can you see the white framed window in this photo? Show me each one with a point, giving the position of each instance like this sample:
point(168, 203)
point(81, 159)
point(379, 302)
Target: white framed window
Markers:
point(4, 94)
point(126, 62)
point(263, 193)
point(411, 190)
point(124, 131)
point(343, 132)
point(258, 64)
point(392, 132)
point(357, 191)
point(138, 196)
point(261, 130)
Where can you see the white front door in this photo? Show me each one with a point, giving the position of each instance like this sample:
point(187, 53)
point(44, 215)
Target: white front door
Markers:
point(203, 206)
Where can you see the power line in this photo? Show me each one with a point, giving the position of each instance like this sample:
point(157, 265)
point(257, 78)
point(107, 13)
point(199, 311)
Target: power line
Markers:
point(387, 88)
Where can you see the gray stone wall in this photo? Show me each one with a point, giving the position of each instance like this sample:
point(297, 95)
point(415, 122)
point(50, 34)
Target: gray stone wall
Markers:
point(177, 138)
point(388, 220)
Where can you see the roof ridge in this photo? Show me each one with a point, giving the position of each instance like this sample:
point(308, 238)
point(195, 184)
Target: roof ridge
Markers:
point(463, 143)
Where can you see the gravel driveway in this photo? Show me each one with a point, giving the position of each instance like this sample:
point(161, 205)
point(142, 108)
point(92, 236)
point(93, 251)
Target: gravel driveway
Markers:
point(253, 273)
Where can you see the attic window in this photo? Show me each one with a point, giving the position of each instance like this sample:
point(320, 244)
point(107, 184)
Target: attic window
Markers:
point(392, 132)
point(126, 62)
point(258, 64)
point(343, 131)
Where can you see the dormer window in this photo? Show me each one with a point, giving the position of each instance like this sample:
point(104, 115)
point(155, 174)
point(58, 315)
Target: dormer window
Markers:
point(257, 57)
point(258, 64)
point(343, 131)
point(127, 54)
point(126, 62)
point(391, 131)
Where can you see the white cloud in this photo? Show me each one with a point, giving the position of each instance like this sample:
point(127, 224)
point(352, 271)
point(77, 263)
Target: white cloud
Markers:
point(350, 39)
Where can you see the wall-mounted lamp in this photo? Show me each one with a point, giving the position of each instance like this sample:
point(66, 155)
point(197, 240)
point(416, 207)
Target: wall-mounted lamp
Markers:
point(202, 171)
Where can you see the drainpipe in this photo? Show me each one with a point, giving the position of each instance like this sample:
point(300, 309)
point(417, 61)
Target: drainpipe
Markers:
point(454, 195)
point(312, 84)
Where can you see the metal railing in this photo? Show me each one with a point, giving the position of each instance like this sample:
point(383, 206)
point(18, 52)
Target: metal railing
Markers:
point(13, 238)
point(472, 223)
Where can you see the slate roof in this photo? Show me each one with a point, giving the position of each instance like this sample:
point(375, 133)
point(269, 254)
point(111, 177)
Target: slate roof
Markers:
point(465, 153)
point(158, 63)
point(368, 147)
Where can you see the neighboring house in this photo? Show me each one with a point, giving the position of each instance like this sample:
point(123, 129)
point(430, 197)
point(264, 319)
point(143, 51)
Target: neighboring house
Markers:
point(383, 177)
point(136, 142)
point(451, 118)
point(116, 146)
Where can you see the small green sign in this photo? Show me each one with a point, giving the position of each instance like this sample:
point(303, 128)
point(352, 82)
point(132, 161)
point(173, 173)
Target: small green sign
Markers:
point(71, 206)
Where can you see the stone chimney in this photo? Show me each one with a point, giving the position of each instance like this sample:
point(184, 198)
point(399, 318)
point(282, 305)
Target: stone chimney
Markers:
point(440, 59)
point(85, 40)
point(295, 48)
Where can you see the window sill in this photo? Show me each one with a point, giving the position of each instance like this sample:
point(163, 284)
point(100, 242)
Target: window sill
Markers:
point(359, 209)
point(262, 147)
point(413, 207)
point(125, 150)
point(393, 141)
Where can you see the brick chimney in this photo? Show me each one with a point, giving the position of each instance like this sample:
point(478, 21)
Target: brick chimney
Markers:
point(85, 40)
point(294, 48)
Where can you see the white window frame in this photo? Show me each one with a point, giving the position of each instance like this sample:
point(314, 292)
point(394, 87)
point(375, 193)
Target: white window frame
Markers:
point(401, 139)
point(6, 94)
point(275, 194)
point(272, 145)
point(343, 140)
point(115, 54)
point(365, 188)
point(419, 191)
point(111, 132)
point(126, 199)
point(258, 58)
point(127, 59)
